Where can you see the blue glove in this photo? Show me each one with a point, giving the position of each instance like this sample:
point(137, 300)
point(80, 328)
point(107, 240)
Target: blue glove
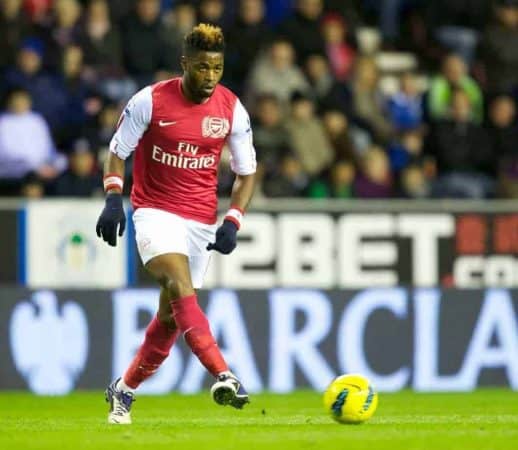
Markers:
point(112, 217)
point(226, 238)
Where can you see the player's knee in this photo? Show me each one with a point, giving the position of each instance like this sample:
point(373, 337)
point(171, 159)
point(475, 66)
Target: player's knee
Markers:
point(165, 318)
point(178, 288)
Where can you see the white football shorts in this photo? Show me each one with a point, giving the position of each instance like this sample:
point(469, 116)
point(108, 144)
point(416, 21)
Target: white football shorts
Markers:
point(159, 232)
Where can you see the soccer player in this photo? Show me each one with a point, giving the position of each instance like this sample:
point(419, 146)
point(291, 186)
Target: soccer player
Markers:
point(177, 129)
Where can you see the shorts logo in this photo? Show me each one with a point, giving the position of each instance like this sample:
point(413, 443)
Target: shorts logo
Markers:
point(143, 244)
point(214, 127)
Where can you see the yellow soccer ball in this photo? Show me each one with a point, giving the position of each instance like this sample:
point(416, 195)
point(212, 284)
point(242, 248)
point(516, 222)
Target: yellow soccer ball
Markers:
point(350, 398)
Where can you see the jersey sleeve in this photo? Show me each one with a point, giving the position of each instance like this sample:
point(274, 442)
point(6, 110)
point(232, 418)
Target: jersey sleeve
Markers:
point(240, 142)
point(132, 123)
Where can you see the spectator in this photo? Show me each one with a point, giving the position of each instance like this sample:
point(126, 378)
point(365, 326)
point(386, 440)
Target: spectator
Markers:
point(337, 123)
point(118, 45)
point(63, 30)
point(454, 76)
point(339, 133)
point(457, 24)
point(406, 108)
point(77, 92)
point(47, 94)
point(368, 100)
point(101, 43)
point(414, 183)
point(308, 137)
point(37, 10)
point(503, 130)
point(13, 28)
point(120, 9)
point(339, 45)
point(303, 29)
point(109, 119)
point(374, 179)
point(100, 130)
point(406, 150)
point(350, 9)
point(26, 145)
point(336, 183)
point(213, 12)
point(147, 49)
point(499, 49)
point(99, 133)
point(276, 73)
point(32, 187)
point(462, 150)
point(81, 179)
point(179, 21)
point(503, 126)
point(271, 140)
point(277, 10)
point(289, 180)
point(244, 40)
point(390, 16)
point(329, 93)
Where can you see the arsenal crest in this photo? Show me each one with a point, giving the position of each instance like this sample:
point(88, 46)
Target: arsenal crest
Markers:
point(214, 127)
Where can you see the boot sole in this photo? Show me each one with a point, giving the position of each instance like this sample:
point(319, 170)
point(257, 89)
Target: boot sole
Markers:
point(223, 394)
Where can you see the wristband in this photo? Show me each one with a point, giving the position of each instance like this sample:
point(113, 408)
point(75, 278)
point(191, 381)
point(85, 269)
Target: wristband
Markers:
point(235, 215)
point(112, 181)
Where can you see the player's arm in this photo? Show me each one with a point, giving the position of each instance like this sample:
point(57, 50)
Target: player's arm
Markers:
point(243, 164)
point(242, 191)
point(132, 125)
point(114, 168)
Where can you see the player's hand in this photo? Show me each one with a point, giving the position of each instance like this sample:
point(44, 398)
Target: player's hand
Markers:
point(226, 238)
point(112, 217)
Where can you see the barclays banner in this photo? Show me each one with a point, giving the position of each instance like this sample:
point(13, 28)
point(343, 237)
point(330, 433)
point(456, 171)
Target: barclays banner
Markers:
point(278, 340)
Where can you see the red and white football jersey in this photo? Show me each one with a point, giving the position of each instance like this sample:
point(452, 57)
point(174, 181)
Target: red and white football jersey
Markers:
point(178, 146)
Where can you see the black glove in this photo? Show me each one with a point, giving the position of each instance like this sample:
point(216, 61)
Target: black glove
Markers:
point(226, 238)
point(112, 217)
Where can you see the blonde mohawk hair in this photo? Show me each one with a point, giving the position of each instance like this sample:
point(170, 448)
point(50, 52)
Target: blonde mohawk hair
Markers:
point(204, 37)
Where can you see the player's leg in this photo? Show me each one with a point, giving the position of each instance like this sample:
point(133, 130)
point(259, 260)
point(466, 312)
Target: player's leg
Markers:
point(160, 336)
point(227, 390)
point(173, 273)
point(156, 232)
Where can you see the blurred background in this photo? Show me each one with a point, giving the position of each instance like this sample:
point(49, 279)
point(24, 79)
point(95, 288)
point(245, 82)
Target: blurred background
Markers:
point(349, 99)
point(383, 237)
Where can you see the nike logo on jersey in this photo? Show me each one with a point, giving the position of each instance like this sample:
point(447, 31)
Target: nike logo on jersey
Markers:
point(162, 123)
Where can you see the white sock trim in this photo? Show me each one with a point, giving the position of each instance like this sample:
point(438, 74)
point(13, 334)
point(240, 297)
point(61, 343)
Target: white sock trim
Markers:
point(227, 373)
point(121, 386)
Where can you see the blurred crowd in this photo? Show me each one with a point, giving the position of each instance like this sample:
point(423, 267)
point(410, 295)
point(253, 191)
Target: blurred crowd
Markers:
point(349, 99)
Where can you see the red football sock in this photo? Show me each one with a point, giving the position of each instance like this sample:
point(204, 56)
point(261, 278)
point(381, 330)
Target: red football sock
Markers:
point(155, 348)
point(194, 325)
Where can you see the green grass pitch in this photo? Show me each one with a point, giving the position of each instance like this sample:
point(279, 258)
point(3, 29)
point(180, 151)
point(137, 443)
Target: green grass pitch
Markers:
point(483, 420)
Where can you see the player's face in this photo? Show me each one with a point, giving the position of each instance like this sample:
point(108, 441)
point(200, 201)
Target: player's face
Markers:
point(203, 71)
